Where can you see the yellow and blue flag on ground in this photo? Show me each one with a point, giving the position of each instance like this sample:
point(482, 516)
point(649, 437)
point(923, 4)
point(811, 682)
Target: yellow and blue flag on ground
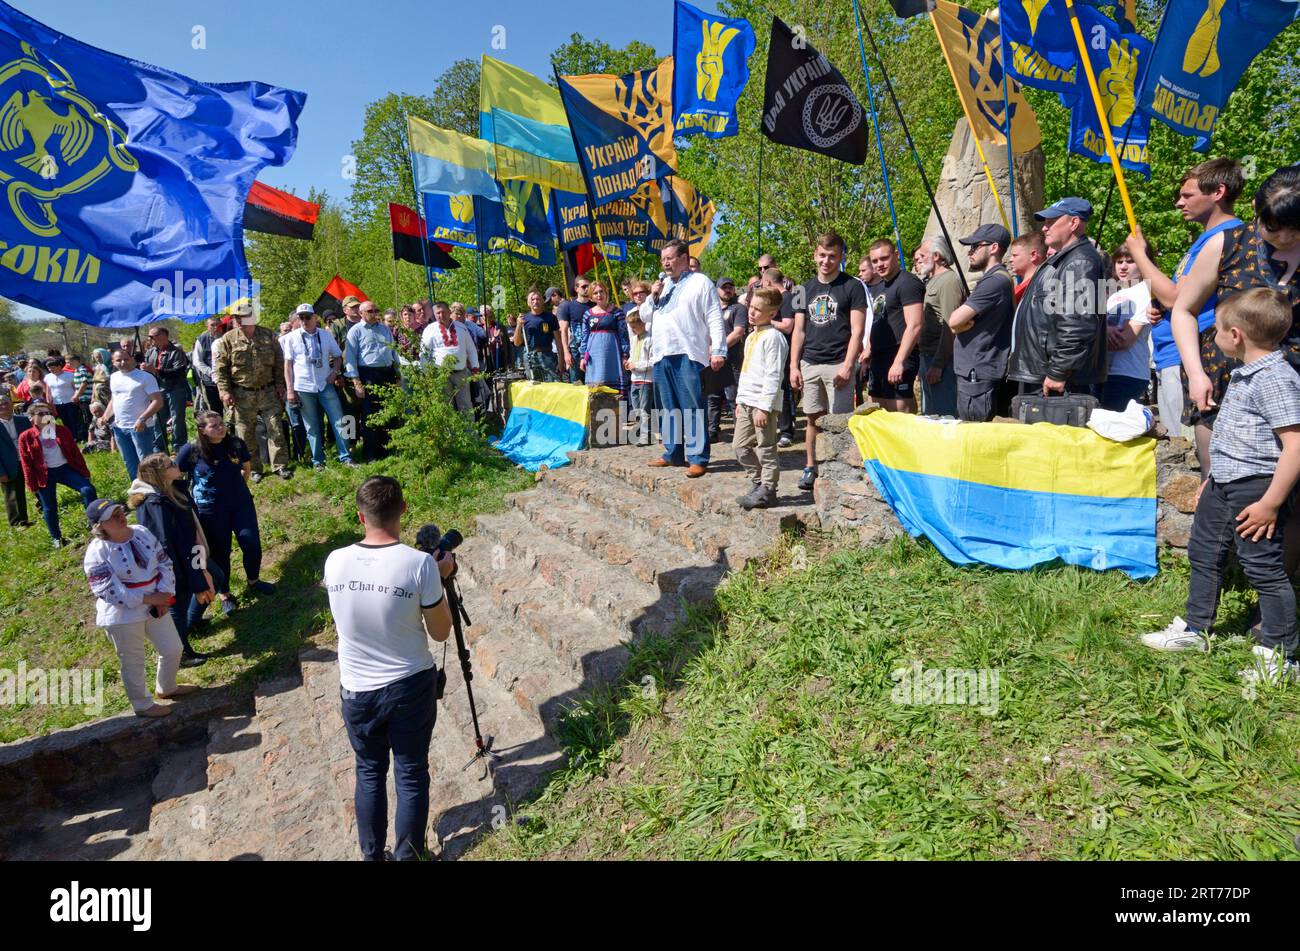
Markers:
point(1015, 496)
point(547, 421)
point(973, 47)
point(447, 162)
point(623, 126)
point(1204, 47)
point(711, 67)
point(523, 119)
point(123, 185)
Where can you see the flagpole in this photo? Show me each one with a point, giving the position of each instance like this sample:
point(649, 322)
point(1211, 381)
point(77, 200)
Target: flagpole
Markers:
point(1006, 111)
point(396, 297)
point(758, 233)
point(419, 200)
point(1086, 62)
point(925, 179)
point(880, 145)
point(988, 174)
point(1137, 93)
point(586, 185)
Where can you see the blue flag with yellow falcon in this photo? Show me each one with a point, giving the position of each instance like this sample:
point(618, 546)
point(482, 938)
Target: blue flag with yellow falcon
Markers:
point(711, 67)
point(124, 184)
point(1203, 49)
point(623, 126)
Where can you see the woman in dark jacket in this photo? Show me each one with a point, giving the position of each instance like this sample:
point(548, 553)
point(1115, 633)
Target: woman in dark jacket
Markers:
point(163, 506)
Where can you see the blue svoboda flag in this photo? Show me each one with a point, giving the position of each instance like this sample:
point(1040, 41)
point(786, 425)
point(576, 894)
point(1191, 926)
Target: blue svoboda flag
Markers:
point(1045, 54)
point(124, 184)
point(710, 69)
point(1204, 48)
point(519, 224)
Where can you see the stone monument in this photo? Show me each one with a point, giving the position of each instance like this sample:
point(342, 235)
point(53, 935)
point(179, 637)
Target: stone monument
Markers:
point(962, 191)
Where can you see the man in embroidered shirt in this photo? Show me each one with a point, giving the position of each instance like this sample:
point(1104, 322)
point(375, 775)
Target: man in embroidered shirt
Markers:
point(444, 344)
point(688, 336)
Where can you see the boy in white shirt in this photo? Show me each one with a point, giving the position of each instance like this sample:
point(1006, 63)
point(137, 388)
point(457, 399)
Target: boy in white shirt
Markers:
point(758, 399)
point(640, 363)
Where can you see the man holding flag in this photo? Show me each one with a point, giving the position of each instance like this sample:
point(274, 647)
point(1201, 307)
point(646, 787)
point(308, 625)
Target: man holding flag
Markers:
point(688, 334)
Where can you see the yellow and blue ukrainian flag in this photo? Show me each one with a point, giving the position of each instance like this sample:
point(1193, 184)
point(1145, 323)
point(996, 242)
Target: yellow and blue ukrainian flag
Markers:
point(547, 421)
point(523, 119)
point(1015, 496)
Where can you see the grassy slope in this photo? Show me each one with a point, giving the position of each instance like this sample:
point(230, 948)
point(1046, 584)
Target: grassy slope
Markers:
point(47, 613)
point(775, 735)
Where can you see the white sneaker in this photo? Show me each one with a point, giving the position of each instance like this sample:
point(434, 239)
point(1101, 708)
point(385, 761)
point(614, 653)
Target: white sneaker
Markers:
point(1270, 667)
point(1176, 637)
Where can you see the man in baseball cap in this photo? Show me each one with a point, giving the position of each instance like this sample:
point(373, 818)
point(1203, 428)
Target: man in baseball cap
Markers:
point(302, 310)
point(1078, 207)
point(987, 235)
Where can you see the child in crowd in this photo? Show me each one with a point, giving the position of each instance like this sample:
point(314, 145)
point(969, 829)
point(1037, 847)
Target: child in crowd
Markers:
point(758, 399)
point(101, 434)
point(638, 363)
point(1254, 465)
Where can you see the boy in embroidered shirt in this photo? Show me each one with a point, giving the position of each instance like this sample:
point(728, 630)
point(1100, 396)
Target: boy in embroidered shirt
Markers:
point(758, 399)
point(1254, 465)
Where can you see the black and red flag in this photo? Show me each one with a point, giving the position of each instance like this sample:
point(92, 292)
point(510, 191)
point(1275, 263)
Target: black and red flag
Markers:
point(335, 291)
point(409, 233)
point(581, 258)
point(271, 211)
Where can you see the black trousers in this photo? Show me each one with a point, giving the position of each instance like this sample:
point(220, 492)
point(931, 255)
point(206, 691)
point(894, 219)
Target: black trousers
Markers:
point(16, 500)
point(1214, 534)
point(373, 438)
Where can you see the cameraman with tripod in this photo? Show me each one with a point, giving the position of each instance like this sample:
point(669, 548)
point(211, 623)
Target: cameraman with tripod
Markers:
point(388, 600)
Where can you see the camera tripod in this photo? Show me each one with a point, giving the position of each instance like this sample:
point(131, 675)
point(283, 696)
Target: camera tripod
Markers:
point(482, 748)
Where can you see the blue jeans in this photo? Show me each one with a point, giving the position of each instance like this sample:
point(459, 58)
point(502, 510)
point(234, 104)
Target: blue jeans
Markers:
point(681, 410)
point(316, 408)
point(1118, 390)
point(397, 718)
point(173, 412)
point(134, 446)
point(938, 399)
point(187, 611)
point(49, 496)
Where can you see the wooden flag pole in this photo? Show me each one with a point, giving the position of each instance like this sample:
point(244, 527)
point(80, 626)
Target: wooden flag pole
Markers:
point(1086, 62)
point(988, 174)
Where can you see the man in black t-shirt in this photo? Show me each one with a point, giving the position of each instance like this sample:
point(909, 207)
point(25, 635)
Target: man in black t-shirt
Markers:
point(829, 323)
point(982, 326)
point(899, 307)
point(570, 316)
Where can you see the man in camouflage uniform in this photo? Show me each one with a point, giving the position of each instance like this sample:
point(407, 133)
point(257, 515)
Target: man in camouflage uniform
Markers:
point(248, 367)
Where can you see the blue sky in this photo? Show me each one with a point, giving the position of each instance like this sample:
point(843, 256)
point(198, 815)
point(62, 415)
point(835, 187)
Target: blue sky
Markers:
point(342, 53)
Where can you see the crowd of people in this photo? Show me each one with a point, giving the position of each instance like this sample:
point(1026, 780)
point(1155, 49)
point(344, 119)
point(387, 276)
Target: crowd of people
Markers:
point(1048, 312)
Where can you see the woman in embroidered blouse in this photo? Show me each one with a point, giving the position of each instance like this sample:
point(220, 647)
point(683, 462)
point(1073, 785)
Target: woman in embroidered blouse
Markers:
point(606, 345)
point(134, 584)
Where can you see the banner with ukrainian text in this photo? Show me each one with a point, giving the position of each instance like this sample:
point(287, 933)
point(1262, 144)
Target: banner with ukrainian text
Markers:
point(1016, 496)
point(623, 128)
point(1204, 47)
point(689, 213)
point(1118, 59)
point(1043, 51)
point(710, 69)
point(124, 184)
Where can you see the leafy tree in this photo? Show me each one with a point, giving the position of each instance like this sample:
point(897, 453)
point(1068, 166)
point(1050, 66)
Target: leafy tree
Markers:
point(11, 331)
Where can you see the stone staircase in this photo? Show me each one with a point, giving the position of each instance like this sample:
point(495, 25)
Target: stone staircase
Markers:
point(596, 555)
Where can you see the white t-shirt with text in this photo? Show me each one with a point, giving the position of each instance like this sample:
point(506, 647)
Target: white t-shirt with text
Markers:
point(377, 595)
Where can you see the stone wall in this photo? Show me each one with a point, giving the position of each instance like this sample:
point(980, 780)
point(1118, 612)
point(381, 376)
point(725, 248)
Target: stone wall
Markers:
point(846, 500)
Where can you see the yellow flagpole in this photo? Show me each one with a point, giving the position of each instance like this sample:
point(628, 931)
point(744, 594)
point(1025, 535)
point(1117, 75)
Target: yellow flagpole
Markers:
point(1101, 116)
point(600, 249)
point(988, 174)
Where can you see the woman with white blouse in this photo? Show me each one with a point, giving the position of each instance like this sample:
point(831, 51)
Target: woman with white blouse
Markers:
point(134, 583)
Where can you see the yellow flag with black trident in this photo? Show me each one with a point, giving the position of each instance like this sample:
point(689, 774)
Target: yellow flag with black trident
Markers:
point(972, 47)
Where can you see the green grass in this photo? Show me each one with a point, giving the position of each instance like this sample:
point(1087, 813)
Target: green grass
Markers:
point(767, 730)
point(47, 613)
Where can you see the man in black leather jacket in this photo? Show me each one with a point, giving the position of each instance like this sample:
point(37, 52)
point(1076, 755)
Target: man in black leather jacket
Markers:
point(1060, 337)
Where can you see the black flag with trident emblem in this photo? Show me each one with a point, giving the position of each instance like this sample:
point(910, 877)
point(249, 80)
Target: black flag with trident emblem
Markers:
point(807, 103)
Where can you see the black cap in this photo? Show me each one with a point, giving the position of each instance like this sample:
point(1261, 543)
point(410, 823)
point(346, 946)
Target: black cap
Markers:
point(991, 234)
